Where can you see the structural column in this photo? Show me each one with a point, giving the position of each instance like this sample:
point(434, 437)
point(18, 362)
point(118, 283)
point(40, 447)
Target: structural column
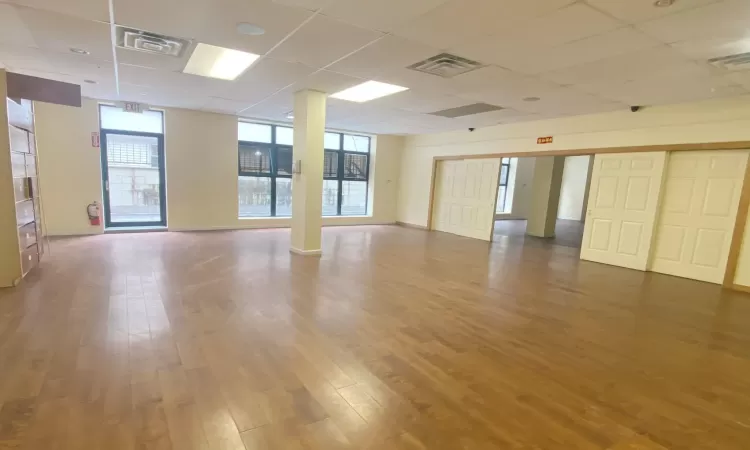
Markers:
point(307, 184)
point(545, 196)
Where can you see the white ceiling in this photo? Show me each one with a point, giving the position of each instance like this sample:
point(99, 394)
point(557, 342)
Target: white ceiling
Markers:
point(578, 57)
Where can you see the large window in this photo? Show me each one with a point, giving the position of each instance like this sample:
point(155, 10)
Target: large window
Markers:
point(265, 172)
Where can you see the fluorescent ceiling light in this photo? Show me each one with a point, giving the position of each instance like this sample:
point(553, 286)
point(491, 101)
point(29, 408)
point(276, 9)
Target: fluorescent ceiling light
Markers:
point(218, 62)
point(369, 90)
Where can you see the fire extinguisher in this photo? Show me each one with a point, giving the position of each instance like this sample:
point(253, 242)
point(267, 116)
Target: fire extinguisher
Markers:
point(93, 211)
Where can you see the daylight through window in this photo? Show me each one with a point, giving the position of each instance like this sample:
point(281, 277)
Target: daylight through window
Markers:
point(265, 172)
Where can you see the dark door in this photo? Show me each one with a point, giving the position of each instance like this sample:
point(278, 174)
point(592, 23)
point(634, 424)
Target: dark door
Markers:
point(134, 179)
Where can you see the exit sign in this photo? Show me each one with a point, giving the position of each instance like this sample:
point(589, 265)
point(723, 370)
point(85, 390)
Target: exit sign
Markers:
point(544, 140)
point(133, 107)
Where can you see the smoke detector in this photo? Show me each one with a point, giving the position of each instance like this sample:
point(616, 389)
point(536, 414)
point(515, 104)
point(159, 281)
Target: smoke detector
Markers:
point(739, 61)
point(144, 41)
point(446, 65)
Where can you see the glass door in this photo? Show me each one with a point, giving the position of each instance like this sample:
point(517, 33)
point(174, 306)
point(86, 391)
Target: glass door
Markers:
point(134, 179)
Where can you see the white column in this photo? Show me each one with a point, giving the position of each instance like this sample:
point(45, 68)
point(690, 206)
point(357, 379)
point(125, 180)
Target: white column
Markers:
point(545, 196)
point(307, 186)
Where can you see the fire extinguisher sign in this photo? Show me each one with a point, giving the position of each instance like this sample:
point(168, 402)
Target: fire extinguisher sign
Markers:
point(95, 139)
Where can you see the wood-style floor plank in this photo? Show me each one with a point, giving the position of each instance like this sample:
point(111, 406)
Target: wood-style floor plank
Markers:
point(395, 339)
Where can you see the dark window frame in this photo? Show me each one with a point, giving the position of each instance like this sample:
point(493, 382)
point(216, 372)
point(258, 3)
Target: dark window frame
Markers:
point(273, 149)
point(504, 164)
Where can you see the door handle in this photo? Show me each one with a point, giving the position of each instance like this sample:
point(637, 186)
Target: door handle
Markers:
point(106, 185)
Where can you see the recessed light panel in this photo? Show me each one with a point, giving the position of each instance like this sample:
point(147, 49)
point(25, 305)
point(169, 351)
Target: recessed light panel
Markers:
point(369, 90)
point(218, 62)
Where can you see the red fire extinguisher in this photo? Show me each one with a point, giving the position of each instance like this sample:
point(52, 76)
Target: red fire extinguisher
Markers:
point(93, 211)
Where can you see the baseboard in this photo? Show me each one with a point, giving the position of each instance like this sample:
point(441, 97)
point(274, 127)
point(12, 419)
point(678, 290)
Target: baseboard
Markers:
point(274, 226)
point(740, 288)
point(297, 251)
point(411, 225)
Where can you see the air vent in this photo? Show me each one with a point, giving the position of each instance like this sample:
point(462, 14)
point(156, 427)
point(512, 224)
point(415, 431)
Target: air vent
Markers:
point(739, 61)
point(467, 110)
point(446, 65)
point(143, 41)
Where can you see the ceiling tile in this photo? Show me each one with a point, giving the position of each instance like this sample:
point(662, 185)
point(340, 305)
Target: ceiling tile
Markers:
point(728, 16)
point(153, 61)
point(457, 21)
point(641, 11)
point(564, 25)
point(274, 107)
point(388, 53)
point(383, 15)
point(84, 9)
point(67, 65)
point(484, 120)
point(59, 32)
point(177, 82)
point(714, 46)
point(661, 59)
point(311, 5)
point(577, 56)
point(326, 81)
point(263, 79)
point(668, 89)
point(420, 102)
point(538, 60)
point(322, 41)
point(13, 30)
point(203, 21)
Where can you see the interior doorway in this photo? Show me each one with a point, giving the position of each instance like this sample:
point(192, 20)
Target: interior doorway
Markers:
point(133, 168)
point(514, 204)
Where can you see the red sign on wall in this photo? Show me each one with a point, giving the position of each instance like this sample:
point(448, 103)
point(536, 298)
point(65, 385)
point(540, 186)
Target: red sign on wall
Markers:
point(544, 140)
point(95, 139)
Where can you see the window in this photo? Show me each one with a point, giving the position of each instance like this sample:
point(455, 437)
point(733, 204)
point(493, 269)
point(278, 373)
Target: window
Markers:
point(265, 172)
point(506, 186)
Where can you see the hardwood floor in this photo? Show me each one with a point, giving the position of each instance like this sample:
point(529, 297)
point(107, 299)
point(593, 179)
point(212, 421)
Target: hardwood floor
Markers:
point(394, 339)
point(568, 233)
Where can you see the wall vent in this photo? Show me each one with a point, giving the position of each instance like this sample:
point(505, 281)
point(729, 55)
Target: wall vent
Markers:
point(144, 41)
point(446, 65)
point(739, 61)
point(467, 110)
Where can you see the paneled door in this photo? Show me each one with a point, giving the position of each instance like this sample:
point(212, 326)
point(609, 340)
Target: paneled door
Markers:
point(621, 214)
point(464, 199)
point(696, 220)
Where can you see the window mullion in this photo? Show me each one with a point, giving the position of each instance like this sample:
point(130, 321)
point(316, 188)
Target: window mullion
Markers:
point(340, 174)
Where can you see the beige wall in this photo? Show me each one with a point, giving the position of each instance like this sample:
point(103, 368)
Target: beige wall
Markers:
point(69, 167)
point(201, 169)
point(711, 121)
point(522, 189)
point(573, 189)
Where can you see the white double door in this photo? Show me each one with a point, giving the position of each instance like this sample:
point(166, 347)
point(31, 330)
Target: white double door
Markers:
point(622, 208)
point(698, 213)
point(465, 195)
point(683, 228)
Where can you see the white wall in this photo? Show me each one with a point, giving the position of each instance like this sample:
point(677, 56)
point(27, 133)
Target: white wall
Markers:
point(201, 172)
point(710, 121)
point(573, 188)
point(519, 187)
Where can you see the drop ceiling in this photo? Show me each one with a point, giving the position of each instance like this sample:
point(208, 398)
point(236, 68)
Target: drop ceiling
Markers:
point(577, 57)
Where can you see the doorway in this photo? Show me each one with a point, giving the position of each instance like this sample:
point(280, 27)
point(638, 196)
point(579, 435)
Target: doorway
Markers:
point(515, 201)
point(133, 168)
